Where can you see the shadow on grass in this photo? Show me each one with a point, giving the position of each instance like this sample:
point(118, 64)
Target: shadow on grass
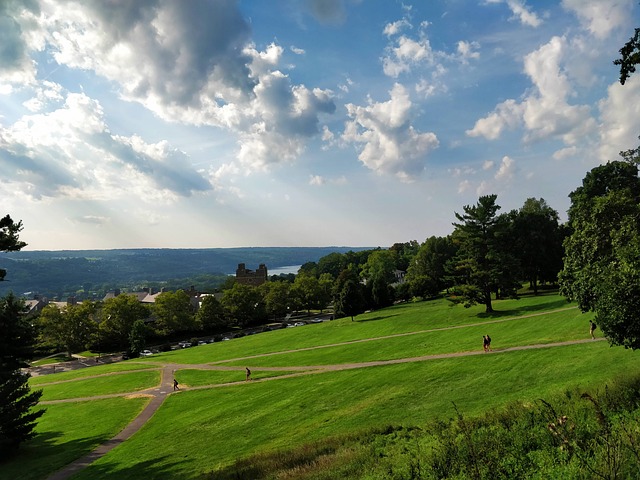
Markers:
point(44, 457)
point(157, 468)
point(379, 317)
point(516, 312)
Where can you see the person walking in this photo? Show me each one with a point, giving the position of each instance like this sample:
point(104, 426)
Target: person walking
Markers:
point(175, 385)
point(485, 343)
point(489, 343)
point(592, 328)
point(248, 374)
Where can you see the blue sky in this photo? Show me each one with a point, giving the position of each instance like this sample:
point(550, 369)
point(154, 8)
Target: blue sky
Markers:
point(194, 124)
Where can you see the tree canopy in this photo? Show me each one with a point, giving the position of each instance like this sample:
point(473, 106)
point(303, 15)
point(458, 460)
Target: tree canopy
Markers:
point(602, 255)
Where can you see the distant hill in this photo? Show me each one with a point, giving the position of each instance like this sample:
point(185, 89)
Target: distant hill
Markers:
point(69, 272)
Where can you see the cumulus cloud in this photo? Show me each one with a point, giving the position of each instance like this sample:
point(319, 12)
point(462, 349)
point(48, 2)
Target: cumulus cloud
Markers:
point(545, 112)
point(390, 144)
point(69, 152)
point(193, 65)
point(600, 17)
point(620, 114)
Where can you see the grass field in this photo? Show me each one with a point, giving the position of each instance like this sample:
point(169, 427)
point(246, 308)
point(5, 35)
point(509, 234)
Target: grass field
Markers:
point(203, 430)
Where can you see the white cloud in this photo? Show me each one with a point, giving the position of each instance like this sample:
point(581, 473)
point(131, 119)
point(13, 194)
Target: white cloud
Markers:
point(468, 50)
point(69, 152)
point(487, 165)
point(620, 119)
point(521, 12)
point(600, 17)
point(390, 144)
point(545, 111)
point(506, 170)
point(395, 28)
point(193, 65)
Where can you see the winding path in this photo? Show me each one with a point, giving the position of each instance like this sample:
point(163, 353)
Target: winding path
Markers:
point(159, 393)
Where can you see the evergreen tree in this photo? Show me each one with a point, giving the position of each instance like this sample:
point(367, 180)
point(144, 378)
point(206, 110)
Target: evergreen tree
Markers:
point(484, 263)
point(17, 336)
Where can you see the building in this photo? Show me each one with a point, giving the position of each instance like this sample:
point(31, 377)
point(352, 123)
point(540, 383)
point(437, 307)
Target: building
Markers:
point(250, 277)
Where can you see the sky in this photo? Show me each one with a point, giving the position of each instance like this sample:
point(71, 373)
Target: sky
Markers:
point(364, 123)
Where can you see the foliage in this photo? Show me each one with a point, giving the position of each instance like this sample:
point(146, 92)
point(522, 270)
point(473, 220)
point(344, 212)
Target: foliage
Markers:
point(173, 312)
point(71, 328)
point(427, 273)
point(9, 241)
point(118, 316)
point(602, 255)
point(537, 242)
point(484, 263)
point(210, 316)
point(17, 336)
point(137, 337)
point(351, 300)
point(629, 57)
point(243, 304)
point(17, 417)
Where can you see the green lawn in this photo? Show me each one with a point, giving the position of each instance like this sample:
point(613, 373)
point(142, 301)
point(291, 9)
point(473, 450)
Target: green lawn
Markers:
point(205, 429)
point(210, 429)
point(102, 385)
point(89, 372)
point(198, 378)
point(68, 431)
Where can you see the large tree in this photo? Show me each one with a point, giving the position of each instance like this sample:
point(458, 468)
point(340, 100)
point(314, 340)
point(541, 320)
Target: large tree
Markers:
point(427, 273)
point(174, 312)
point(602, 255)
point(484, 263)
point(537, 242)
point(72, 327)
point(17, 336)
point(244, 305)
point(118, 315)
point(378, 273)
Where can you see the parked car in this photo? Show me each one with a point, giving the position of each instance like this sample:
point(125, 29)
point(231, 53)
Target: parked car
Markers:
point(184, 344)
point(146, 353)
point(316, 320)
point(299, 324)
point(201, 342)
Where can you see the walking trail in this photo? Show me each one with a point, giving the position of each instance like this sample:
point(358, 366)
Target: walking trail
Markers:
point(159, 393)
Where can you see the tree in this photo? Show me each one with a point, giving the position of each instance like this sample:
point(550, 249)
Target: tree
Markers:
point(630, 57)
point(173, 312)
point(71, 328)
point(427, 272)
point(483, 264)
point(306, 291)
point(378, 273)
point(537, 242)
point(137, 337)
point(277, 298)
point(351, 300)
point(17, 336)
point(119, 314)
point(9, 241)
point(602, 254)
point(210, 316)
point(243, 304)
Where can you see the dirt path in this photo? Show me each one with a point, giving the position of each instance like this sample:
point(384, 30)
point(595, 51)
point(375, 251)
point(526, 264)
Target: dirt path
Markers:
point(158, 394)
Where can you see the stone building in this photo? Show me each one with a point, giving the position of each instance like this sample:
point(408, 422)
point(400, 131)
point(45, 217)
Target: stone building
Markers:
point(250, 277)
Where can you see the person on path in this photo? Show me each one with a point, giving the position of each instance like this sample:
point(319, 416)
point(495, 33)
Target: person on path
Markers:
point(175, 385)
point(248, 375)
point(485, 343)
point(592, 328)
point(489, 343)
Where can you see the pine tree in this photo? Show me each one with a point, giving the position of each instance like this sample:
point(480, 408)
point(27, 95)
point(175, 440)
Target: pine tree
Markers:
point(17, 336)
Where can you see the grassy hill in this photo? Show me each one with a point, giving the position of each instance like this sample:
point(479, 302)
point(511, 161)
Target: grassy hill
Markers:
point(330, 400)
